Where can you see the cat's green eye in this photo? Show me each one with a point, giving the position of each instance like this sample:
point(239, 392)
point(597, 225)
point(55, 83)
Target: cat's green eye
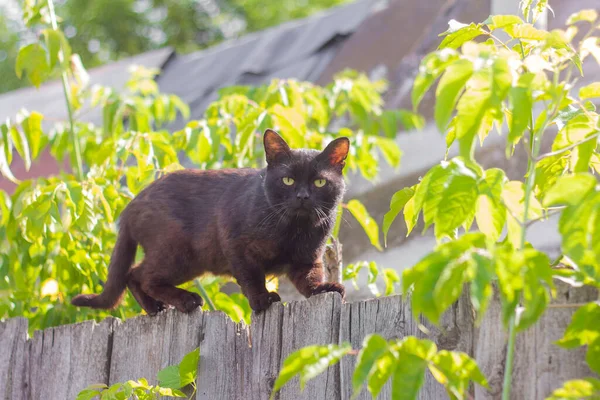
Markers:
point(288, 181)
point(320, 182)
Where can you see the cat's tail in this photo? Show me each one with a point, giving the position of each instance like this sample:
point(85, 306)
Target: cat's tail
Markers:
point(121, 260)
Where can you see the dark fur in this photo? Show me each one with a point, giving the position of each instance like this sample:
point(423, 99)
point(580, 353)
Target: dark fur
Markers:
point(245, 223)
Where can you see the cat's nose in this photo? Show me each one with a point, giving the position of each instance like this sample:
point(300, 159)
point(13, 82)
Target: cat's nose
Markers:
point(302, 194)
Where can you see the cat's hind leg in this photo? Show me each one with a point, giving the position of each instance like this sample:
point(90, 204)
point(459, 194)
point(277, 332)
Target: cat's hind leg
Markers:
point(149, 304)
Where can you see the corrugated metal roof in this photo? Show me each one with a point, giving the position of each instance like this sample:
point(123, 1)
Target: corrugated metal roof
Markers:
point(298, 49)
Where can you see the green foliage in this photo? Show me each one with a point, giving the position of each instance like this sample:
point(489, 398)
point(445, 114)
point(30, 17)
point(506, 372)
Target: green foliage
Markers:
point(403, 362)
point(578, 389)
point(526, 85)
point(390, 277)
point(309, 362)
point(58, 231)
point(171, 379)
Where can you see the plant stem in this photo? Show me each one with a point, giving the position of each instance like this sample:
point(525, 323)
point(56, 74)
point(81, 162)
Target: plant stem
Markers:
point(565, 149)
point(65, 85)
point(204, 295)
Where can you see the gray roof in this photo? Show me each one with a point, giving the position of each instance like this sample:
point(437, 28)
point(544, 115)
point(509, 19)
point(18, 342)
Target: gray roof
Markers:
point(298, 49)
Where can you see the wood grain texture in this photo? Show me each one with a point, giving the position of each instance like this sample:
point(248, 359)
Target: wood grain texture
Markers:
point(540, 366)
point(239, 362)
point(224, 358)
point(315, 321)
point(65, 359)
point(144, 345)
point(13, 350)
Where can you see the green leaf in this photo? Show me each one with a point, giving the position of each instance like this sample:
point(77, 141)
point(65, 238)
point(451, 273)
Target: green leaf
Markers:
point(455, 370)
point(578, 389)
point(381, 372)
point(584, 328)
point(535, 299)
point(481, 285)
point(501, 21)
point(525, 32)
point(397, 203)
point(374, 346)
point(570, 189)
point(410, 215)
point(590, 91)
point(58, 47)
point(458, 34)
point(390, 278)
point(169, 377)
point(490, 212)
point(448, 90)
point(588, 15)
point(513, 195)
point(592, 356)
point(309, 362)
point(20, 142)
point(521, 103)
point(457, 201)
point(360, 213)
point(188, 367)
point(390, 150)
point(7, 147)
point(409, 376)
point(33, 61)
point(432, 66)
point(32, 127)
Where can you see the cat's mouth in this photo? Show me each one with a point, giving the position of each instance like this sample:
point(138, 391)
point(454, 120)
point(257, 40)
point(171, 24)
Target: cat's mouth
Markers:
point(303, 210)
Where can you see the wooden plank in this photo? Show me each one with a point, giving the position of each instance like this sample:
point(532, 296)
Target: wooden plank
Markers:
point(65, 359)
point(224, 359)
point(144, 345)
point(13, 348)
point(315, 321)
point(385, 316)
point(539, 366)
point(553, 364)
point(265, 339)
point(392, 318)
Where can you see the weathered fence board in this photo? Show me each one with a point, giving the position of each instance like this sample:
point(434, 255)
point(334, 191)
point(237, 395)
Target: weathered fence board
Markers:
point(142, 346)
point(539, 364)
point(240, 362)
point(65, 359)
point(13, 350)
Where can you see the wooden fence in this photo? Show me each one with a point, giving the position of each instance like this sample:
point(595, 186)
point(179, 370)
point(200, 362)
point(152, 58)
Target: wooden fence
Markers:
point(238, 362)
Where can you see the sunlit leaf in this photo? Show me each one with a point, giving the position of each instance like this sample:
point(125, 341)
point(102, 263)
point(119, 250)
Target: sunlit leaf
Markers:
point(588, 15)
point(569, 189)
point(448, 90)
point(590, 91)
point(458, 34)
point(578, 389)
point(32, 60)
point(309, 362)
point(358, 211)
point(374, 346)
point(397, 203)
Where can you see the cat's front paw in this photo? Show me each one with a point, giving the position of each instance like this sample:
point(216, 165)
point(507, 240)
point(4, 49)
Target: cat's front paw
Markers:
point(330, 287)
point(261, 302)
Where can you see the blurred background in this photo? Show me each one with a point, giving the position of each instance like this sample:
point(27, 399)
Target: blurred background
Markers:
point(200, 46)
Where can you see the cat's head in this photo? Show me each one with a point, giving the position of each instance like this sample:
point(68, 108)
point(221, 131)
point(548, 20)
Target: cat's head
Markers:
point(304, 183)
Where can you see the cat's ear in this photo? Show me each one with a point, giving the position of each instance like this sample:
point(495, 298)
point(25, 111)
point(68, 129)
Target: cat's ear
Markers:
point(276, 149)
point(336, 152)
